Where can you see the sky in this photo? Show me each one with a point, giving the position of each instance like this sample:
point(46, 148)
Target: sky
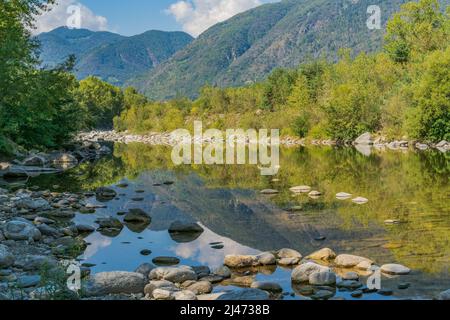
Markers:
point(131, 17)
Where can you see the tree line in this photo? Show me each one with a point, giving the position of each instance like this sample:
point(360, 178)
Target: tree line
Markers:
point(403, 91)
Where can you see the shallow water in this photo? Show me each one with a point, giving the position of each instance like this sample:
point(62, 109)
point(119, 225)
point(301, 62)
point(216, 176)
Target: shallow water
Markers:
point(410, 187)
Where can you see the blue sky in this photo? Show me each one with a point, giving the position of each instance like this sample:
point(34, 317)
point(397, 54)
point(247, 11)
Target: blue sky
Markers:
point(130, 17)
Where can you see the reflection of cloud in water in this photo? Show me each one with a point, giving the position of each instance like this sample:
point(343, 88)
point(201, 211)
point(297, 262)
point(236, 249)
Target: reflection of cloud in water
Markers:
point(98, 242)
point(201, 251)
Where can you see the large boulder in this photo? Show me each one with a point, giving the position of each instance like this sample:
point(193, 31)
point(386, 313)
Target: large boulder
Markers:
point(18, 230)
point(364, 139)
point(301, 273)
point(241, 261)
point(350, 261)
point(6, 257)
point(177, 274)
point(115, 283)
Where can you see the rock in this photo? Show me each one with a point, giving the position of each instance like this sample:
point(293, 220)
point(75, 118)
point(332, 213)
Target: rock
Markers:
point(357, 294)
point(364, 265)
point(17, 230)
point(145, 269)
point(159, 284)
point(395, 269)
point(349, 261)
point(343, 196)
point(28, 281)
point(178, 274)
point(33, 204)
point(181, 227)
point(115, 283)
point(137, 216)
point(202, 271)
point(42, 220)
point(267, 286)
point(302, 272)
point(444, 295)
point(404, 286)
point(6, 257)
point(34, 161)
point(269, 191)
point(163, 294)
point(223, 272)
point(185, 295)
point(109, 222)
point(288, 261)
point(245, 295)
point(322, 278)
point(266, 259)
point(49, 231)
point(349, 284)
point(324, 254)
point(240, 261)
point(391, 221)
point(83, 228)
point(300, 189)
point(213, 278)
point(105, 194)
point(360, 200)
point(289, 253)
point(166, 261)
point(323, 295)
point(201, 287)
point(385, 292)
point(364, 139)
point(146, 252)
point(351, 276)
point(315, 193)
point(36, 262)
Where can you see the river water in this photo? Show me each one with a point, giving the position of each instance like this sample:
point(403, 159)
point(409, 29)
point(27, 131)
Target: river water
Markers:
point(410, 187)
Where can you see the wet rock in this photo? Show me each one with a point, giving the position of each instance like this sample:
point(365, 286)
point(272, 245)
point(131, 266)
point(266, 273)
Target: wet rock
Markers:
point(18, 230)
point(109, 222)
point(267, 286)
point(322, 278)
point(105, 194)
point(323, 295)
point(364, 139)
point(115, 283)
point(266, 259)
point(395, 269)
point(201, 287)
point(364, 265)
point(6, 257)
point(302, 272)
point(184, 295)
point(444, 295)
point(324, 254)
point(223, 272)
point(178, 274)
point(185, 227)
point(202, 271)
point(166, 261)
point(350, 261)
point(137, 216)
point(28, 281)
point(145, 269)
point(245, 294)
point(240, 261)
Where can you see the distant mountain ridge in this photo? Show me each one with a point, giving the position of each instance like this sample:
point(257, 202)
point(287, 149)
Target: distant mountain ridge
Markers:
point(247, 47)
point(109, 56)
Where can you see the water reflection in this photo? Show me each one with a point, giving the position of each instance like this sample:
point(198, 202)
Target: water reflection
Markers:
point(408, 187)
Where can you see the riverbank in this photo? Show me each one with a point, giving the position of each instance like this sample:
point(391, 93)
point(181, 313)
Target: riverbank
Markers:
point(364, 143)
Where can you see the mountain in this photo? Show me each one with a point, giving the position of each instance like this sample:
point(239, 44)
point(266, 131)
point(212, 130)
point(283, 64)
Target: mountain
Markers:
point(111, 57)
point(247, 47)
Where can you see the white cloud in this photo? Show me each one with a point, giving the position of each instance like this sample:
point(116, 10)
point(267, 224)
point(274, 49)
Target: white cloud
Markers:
point(59, 16)
point(196, 16)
